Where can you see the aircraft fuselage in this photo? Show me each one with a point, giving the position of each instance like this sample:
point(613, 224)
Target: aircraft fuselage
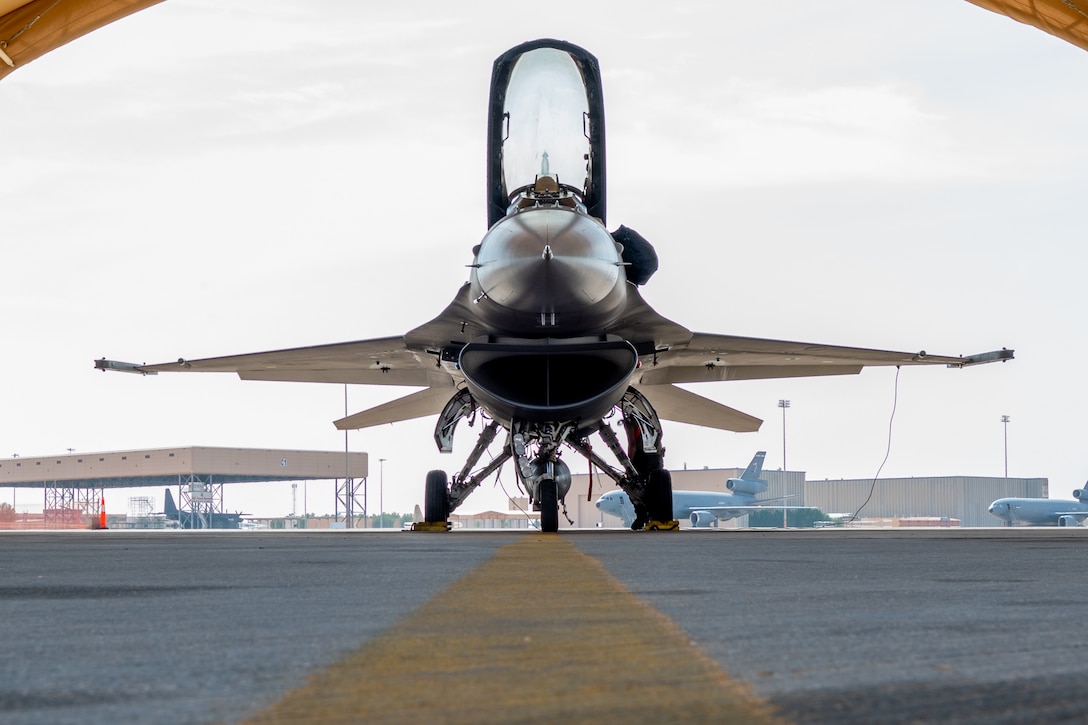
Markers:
point(548, 271)
point(1039, 511)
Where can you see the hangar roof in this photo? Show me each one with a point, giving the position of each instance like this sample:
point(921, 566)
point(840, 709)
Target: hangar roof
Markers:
point(31, 28)
point(163, 466)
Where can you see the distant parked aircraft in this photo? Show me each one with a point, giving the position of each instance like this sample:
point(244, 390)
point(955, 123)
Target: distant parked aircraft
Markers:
point(1042, 511)
point(705, 508)
point(199, 519)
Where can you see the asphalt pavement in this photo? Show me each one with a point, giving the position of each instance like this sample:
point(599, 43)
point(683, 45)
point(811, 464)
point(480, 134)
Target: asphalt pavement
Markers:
point(970, 626)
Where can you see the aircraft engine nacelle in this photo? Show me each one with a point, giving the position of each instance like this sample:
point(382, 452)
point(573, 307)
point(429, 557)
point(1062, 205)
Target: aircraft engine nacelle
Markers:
point(703, 519)
point(1081, 494)
point(1067, 521)
point(548, 380)
point(740, 485)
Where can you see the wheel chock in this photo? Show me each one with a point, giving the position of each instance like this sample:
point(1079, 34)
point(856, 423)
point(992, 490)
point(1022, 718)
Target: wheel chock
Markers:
point(431, 526)
point(673, 525)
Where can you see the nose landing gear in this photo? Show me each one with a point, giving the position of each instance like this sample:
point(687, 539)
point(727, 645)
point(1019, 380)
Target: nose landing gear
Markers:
point(535, 448)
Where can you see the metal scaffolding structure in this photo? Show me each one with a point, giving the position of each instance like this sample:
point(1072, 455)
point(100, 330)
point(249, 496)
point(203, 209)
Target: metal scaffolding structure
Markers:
point(347, 497)
point(67, 502)
point(140, 506)
point(202, 496)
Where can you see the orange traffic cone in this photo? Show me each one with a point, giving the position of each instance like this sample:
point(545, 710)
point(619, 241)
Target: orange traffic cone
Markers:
point(102, 514)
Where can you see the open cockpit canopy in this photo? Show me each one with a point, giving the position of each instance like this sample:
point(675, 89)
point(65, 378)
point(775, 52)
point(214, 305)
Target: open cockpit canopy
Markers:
point(545, 131)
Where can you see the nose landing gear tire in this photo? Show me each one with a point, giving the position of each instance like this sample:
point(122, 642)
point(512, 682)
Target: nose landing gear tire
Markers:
point(549, 506)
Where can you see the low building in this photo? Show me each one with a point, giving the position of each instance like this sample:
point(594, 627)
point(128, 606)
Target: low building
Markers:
point(961, 498)
point(966, 498)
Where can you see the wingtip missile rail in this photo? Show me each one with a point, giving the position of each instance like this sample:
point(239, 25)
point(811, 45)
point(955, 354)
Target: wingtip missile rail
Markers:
point(121, 367)
point(1001, 355)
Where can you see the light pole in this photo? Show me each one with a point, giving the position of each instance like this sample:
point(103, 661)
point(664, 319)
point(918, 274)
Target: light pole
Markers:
point(381, 493)
point(783, 404)
point(1005, 423)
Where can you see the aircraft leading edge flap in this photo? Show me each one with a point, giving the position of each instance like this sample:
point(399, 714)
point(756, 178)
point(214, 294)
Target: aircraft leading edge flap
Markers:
point(395, 376)
point(415, 405)
point(381, 355)
point(736, 350)
point(708, 373)
point(681, 406)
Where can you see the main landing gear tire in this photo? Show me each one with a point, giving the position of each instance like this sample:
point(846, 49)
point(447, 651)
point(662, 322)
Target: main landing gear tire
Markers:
point(436, 500)
point(548, 493)
point(659, 495)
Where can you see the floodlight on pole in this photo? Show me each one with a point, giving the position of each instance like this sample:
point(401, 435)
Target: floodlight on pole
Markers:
point(381, 493)
point(783, 404)
point(1005, 423)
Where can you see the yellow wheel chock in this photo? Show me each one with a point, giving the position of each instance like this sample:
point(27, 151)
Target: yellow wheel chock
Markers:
point(431, 526)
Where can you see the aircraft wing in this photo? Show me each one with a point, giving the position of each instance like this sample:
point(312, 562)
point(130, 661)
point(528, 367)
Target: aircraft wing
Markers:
point(701, 358)
point(742, 510)
point(707, 358)
point(382, 361)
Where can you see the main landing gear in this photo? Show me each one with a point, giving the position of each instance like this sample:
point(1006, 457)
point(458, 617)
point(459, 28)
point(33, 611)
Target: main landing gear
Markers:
point(536, 447)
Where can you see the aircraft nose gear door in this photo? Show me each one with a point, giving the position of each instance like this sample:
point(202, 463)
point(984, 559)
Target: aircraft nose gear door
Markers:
point(543, 475)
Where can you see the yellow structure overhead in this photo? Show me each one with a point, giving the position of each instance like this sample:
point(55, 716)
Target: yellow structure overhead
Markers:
point(1065, 19)
point(29, 30)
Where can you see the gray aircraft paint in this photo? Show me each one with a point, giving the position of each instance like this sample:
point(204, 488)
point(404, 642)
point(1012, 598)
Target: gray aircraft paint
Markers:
point(1042, 511)
point(703, 508)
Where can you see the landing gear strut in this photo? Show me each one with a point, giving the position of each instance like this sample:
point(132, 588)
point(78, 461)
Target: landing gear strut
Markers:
point(535, 448)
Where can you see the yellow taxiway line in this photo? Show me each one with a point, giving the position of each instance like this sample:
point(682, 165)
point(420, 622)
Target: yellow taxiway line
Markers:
point(540, 633)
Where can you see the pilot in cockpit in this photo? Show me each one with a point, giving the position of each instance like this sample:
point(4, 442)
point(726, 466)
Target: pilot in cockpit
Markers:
point(547, 191)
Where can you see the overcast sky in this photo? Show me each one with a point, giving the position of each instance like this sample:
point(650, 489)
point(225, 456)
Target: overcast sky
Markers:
point(208, 178)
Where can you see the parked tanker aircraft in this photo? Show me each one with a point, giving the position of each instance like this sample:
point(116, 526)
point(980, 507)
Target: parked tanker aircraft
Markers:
point(1042, 511)
point(549, 338)
point(705, 508)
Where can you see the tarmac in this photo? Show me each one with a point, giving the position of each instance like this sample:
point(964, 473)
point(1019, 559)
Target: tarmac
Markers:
point(828, 626)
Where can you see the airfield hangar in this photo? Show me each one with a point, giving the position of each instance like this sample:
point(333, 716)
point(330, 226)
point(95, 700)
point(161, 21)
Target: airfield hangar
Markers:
point(894, 501)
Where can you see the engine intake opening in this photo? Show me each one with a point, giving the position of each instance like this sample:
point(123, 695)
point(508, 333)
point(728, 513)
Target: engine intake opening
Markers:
point(548, 380)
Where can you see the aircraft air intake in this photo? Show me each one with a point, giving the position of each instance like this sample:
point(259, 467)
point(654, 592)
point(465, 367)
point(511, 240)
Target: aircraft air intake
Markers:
point(548, 380)
point(702, 519)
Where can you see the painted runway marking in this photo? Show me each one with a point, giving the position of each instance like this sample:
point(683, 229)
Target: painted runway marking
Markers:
point(539, 633)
